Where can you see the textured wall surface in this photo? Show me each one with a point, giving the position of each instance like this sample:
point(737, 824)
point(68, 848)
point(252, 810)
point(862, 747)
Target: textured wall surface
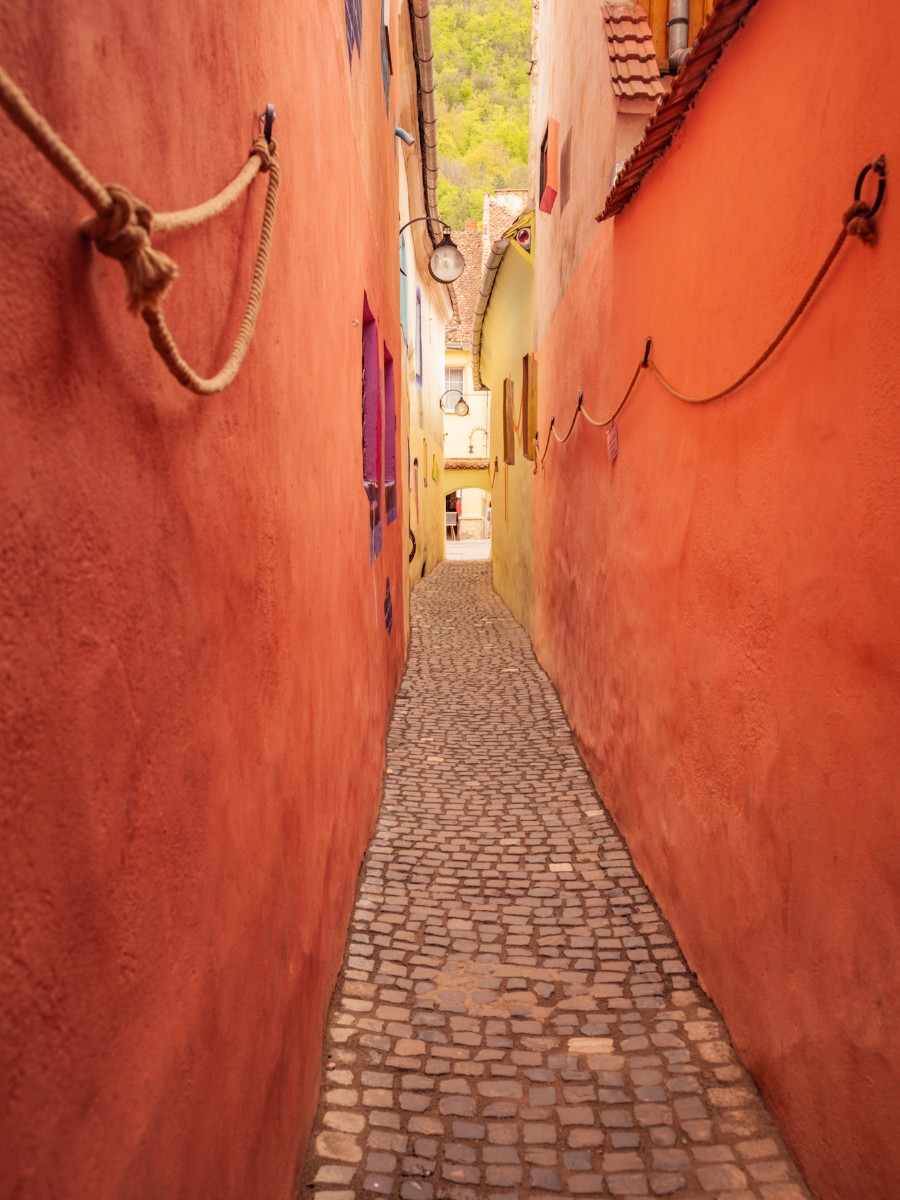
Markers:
point(507, 339)
point(569, 86)
point(426, 503)
point(719, 608)
point(195, 682)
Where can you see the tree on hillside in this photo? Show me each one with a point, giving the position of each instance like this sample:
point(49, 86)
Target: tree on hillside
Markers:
point(481, 53)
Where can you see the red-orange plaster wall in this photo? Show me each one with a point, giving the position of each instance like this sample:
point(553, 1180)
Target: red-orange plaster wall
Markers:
point(719, 608)
point(195, 673)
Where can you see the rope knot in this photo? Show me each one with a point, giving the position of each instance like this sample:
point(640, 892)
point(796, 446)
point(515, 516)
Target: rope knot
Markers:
point(857, 222)
point(123, 233)
point(265, 152)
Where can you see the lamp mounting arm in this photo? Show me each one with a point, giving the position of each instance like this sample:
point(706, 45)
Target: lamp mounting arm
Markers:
point(446, 263)
point(412, 221)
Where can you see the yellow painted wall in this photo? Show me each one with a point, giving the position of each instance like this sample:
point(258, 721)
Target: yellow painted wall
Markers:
point(506, 339)
point(426, 518)
point(462, 480)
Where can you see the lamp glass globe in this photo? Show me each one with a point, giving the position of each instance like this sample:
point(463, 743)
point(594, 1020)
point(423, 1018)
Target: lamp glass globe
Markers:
point(447, 263)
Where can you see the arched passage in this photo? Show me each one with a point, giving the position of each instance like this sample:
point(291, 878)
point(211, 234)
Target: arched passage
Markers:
point(468, 512)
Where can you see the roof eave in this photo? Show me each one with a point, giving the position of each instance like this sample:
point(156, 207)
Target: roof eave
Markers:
point(724, 22)
point(489, 275)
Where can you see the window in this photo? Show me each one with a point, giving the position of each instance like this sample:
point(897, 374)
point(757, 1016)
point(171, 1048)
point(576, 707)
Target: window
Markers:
point(525, 408)
point(371, 426)
point(549, 176)
point(390, 441)
point(565, 172)
point(418, 337)
point(353, 25)
point(509, 423)
point(530, 409)
point(387, 67)
point(404, 293)
point(453, 388)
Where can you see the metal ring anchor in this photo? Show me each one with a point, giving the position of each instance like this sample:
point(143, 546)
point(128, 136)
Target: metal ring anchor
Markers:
point(879, 167)
point(268, 120)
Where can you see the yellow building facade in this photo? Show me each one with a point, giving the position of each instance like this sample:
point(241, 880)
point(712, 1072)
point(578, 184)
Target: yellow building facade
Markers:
point(505, 364)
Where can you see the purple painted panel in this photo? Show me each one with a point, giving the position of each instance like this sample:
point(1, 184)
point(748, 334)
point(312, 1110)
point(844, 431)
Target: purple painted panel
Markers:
point(387, 67)
point(353, 23)
point(371, 425)
point(390, 440)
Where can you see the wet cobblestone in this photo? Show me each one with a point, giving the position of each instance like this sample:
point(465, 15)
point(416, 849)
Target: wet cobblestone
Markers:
point(515, 1018)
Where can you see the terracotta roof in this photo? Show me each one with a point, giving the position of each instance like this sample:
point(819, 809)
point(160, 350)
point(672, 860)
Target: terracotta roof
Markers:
point(724, 22)
point(501, 208)
point(632, 58)
point(459, 328)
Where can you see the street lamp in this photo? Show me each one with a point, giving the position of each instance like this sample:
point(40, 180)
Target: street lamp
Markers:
point(446, 263)
point(460, 408)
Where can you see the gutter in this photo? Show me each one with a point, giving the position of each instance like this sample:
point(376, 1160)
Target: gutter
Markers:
point(491, 267)
point(423, 53)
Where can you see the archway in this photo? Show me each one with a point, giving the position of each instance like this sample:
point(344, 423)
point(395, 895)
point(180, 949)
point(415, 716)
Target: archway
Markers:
point(468, 523)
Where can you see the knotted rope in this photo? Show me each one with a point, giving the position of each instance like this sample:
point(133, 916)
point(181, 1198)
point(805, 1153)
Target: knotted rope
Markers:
point(162, 339)
point(123, 225)
point(123, 233)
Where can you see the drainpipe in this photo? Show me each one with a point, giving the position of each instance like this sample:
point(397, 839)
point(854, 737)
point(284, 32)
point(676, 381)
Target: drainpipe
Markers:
point(423, 50)
point(677, 27)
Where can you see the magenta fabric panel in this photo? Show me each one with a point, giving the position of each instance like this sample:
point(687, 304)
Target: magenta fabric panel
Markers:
point(370, 397)
point(390, 440)
point(372, 425)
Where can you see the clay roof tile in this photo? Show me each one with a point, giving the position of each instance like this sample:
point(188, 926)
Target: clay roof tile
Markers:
point(634, 69)
point(459, 328)
point(724, 21)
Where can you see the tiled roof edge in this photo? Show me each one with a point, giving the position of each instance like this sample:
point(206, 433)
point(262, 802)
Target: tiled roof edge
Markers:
point(724, 22)
point(491, 267)
point(467, 464)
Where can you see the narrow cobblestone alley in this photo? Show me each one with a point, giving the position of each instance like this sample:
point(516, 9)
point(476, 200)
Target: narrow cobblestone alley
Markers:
point(514, 1018)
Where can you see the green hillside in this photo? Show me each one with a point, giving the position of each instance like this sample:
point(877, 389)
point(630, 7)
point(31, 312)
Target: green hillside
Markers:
point(481, 53)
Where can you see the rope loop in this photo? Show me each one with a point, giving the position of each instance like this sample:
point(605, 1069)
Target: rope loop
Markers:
point(123, 233)
point(123, 226)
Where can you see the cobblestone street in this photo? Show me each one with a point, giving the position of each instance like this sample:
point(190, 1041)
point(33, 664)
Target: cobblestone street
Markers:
point(514, 1017)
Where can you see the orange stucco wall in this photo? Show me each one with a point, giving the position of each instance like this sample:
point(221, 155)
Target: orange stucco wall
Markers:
point(195, 672)
point(719, 608)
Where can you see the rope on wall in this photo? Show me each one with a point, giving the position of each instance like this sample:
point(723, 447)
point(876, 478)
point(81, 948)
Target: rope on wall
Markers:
point(123, 225)
point(857, 222)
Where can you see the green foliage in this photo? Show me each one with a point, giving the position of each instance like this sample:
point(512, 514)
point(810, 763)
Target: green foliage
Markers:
point(481, 53)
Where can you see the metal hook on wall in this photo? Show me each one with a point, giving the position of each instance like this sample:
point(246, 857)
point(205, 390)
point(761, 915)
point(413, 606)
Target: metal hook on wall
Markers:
point(268, 120)
point(879, 168)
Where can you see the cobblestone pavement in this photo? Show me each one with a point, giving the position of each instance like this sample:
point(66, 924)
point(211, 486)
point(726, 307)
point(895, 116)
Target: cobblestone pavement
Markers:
point(514, 1018)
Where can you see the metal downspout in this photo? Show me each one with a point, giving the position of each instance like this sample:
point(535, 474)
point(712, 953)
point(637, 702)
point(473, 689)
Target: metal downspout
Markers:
point(423, 50)
point(677, 28)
